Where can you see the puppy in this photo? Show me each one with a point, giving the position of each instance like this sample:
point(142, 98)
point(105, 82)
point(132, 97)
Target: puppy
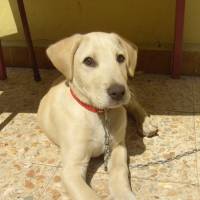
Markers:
point(77, 113)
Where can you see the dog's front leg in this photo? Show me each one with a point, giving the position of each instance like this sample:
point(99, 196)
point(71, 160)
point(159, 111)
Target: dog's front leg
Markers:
point(75, 162)
point(145, 123)
point(118, 174)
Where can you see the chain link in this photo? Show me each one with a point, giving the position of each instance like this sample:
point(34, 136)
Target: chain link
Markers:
point(177, 157)
point(107, 144)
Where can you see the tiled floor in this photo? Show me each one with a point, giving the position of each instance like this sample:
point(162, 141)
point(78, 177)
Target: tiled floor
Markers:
point(30, 164)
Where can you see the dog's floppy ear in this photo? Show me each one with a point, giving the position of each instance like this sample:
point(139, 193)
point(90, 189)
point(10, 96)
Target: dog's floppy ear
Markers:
point(62, 54)
point(132, 52)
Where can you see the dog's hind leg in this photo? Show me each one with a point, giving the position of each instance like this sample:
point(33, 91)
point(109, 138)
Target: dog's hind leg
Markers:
point(145, 123)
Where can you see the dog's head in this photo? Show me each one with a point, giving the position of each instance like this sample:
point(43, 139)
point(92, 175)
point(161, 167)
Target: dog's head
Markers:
point(97, 64)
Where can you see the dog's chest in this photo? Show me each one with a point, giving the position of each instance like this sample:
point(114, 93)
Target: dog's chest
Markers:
point(97, 141)
point(98, 132)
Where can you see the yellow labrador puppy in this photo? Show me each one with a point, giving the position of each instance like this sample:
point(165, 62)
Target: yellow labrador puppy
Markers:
point(77, 113)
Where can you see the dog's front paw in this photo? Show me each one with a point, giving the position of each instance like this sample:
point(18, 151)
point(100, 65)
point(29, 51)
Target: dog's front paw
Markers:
point(149, 127)
point(125, 196)
point(129, 196)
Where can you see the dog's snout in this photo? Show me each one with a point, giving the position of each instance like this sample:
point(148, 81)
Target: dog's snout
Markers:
point(116, 91)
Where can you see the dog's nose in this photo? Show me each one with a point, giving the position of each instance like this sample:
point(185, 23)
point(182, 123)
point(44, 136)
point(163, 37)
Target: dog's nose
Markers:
point(116, 91)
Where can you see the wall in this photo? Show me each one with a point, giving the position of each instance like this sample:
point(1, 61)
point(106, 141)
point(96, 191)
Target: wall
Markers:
point(192, 24)
point(141, 21)
point(148, 23)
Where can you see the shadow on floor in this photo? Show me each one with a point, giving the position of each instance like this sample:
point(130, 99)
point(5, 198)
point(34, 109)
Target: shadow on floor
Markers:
point(158, 94)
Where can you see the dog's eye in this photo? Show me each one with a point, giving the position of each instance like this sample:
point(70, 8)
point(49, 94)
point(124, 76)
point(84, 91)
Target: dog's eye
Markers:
point(120, 58)
point(89, 62)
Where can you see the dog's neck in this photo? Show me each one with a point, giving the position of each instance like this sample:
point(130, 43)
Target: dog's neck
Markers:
point(82, 100)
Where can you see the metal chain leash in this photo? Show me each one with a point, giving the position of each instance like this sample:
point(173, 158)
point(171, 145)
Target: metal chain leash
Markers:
point(177, 157)
point(107, 144)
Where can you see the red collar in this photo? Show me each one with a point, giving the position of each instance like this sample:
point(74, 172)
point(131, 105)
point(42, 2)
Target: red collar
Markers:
point(86, 106)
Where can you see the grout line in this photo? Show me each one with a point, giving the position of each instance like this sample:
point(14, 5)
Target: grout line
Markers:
point(41, 164)
point(49, 177)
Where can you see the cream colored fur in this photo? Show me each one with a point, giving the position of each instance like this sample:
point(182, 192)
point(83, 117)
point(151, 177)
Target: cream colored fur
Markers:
point(79, 132)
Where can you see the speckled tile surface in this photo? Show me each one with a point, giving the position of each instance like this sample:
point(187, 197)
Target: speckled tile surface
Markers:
point(20, 181)
point(197, 131)
point(30, 164)
point(30, 148)
point(55, 189)
point(176, 136)
point(153, 190)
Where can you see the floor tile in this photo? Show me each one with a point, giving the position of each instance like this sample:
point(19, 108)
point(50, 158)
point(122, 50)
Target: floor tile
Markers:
point(152, 190)
point(22, 92)
point(99, 183)
point(196, 85)
point(55, 188)
point(198, 167)
point(29, 147)
point(19, 181)
point(29, 160)
point(21, 123)
point(197, 108)
point(197, 131)
point(143, 189)
point(161, 93)
point(176, 136)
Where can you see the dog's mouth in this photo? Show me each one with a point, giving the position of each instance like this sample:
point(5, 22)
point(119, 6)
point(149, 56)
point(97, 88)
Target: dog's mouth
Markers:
point(110, 103)
point(114, 103)
point(117, 103)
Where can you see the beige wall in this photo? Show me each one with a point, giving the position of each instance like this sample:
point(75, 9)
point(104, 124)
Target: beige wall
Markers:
point(149, 23)
point(192, 22)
